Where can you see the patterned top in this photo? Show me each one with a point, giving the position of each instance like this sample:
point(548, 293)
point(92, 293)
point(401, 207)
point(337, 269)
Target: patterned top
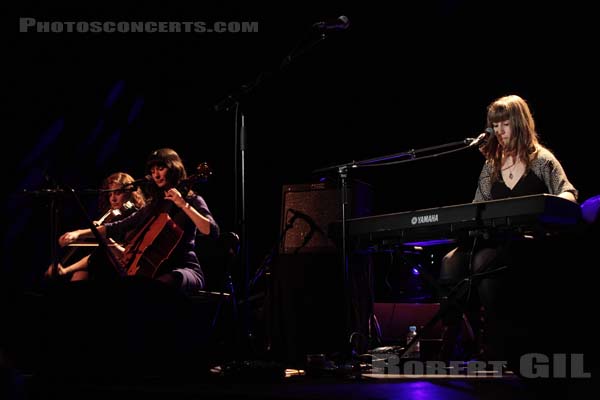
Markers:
point(545, 167)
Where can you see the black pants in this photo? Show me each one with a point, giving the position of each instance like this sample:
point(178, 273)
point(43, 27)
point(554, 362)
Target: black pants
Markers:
point(474, 273)
point(529, 290)
point(473, 281)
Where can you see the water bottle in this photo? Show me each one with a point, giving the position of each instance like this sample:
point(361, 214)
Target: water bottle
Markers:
point(415, 349)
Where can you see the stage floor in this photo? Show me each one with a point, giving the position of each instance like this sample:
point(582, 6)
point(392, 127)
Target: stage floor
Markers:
point(253, 385)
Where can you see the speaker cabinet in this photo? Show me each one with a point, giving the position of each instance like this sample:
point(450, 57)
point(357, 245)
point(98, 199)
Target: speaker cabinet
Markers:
point(305, 306)
point(309, 212)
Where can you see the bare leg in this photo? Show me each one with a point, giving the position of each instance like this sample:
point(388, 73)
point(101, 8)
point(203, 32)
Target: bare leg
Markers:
point(80, 276)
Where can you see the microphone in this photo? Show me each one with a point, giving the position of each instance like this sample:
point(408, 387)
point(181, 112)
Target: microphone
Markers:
point(306, 218)
point(341, 23)
point(137, 182)
point(481, 139)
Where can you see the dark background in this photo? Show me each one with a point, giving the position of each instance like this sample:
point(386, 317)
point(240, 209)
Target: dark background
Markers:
point(404, 76)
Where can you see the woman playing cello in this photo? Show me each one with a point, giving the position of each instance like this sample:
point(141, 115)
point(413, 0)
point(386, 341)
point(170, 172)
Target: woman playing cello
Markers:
point(161, 244)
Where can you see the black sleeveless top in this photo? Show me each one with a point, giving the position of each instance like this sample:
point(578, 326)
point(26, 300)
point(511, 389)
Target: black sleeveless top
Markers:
point(528, 184)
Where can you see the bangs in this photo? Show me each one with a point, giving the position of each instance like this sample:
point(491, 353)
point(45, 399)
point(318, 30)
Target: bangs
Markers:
point(155, 163)
point(156, 159)
point(162, 158)
point(167, 158)
point(498, 113)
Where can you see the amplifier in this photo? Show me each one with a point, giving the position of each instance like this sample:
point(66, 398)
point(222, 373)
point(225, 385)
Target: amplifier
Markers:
point(310, 209)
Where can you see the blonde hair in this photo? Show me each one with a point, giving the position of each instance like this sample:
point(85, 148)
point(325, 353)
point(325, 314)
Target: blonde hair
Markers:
point(122, 179)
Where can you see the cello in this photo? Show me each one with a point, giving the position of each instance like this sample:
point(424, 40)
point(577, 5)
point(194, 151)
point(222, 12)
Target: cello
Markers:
point(149, 246)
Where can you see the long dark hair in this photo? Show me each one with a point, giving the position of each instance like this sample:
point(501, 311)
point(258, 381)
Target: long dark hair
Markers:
point(524, 141)
point(176, 172)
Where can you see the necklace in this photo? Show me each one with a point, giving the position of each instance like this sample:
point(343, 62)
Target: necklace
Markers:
point(511, 169)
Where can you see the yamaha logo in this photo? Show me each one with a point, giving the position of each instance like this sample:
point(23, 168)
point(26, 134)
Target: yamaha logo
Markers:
point(424, 219)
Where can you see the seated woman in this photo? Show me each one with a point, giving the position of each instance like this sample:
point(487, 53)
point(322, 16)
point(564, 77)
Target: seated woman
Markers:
point(120, 200)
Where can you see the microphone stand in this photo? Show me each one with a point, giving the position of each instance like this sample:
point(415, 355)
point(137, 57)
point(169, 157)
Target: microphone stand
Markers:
point(102, 243)
point(343, 172)
point(54, 194)
point(233, 101)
